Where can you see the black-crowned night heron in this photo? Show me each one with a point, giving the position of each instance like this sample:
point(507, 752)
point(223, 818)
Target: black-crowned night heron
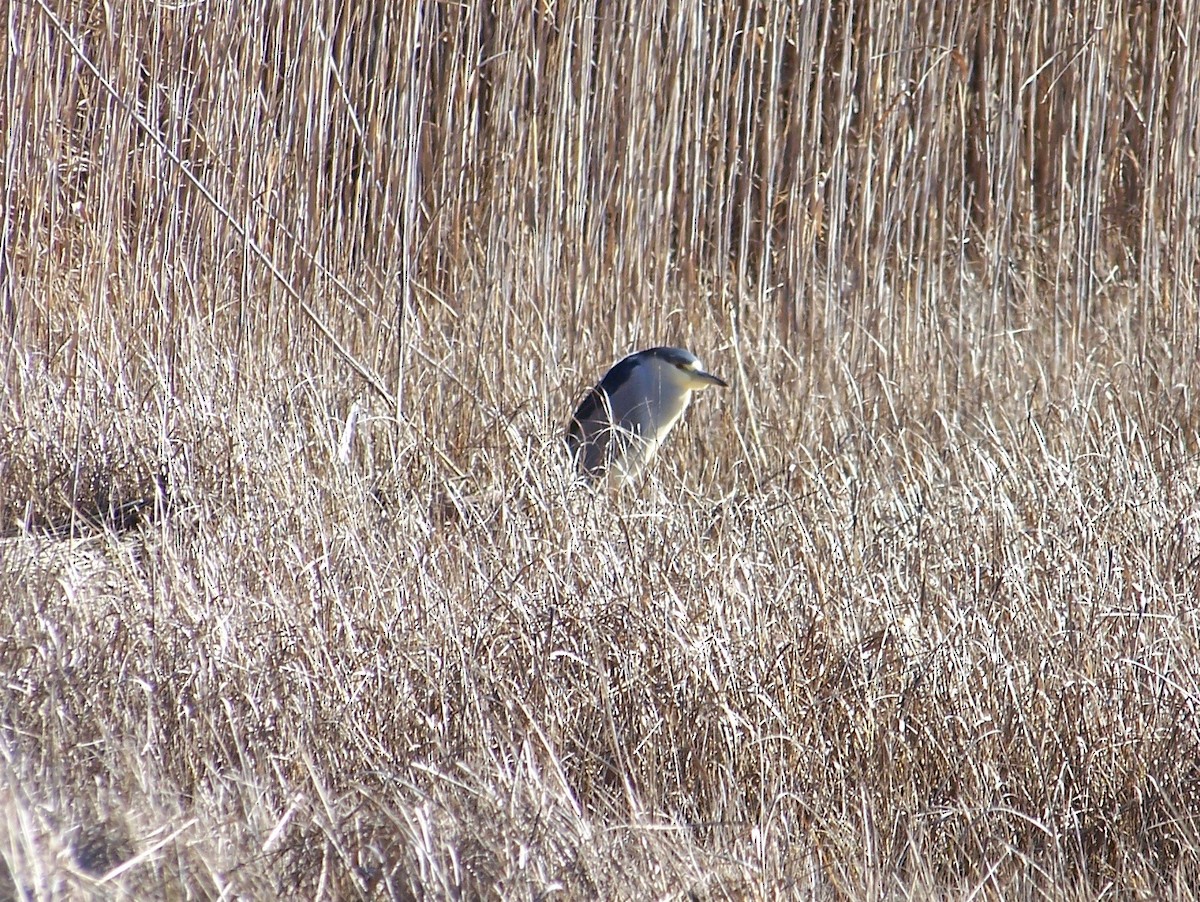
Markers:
point(625, 418)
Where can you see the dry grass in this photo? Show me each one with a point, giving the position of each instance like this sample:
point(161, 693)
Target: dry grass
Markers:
point(909, 612)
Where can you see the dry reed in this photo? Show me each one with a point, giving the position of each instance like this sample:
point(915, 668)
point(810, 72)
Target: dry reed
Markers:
point(299, 599)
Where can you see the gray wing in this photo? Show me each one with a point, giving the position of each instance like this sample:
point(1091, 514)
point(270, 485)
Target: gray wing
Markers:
point(590, 432)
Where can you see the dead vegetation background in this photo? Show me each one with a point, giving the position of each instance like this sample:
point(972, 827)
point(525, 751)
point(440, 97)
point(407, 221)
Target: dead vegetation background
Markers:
point(299, 600)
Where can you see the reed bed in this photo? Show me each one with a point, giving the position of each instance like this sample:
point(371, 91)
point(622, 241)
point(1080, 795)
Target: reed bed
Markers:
point(301, 598)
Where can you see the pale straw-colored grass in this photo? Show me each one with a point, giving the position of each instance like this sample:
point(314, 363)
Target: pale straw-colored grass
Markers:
point(300, 599)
